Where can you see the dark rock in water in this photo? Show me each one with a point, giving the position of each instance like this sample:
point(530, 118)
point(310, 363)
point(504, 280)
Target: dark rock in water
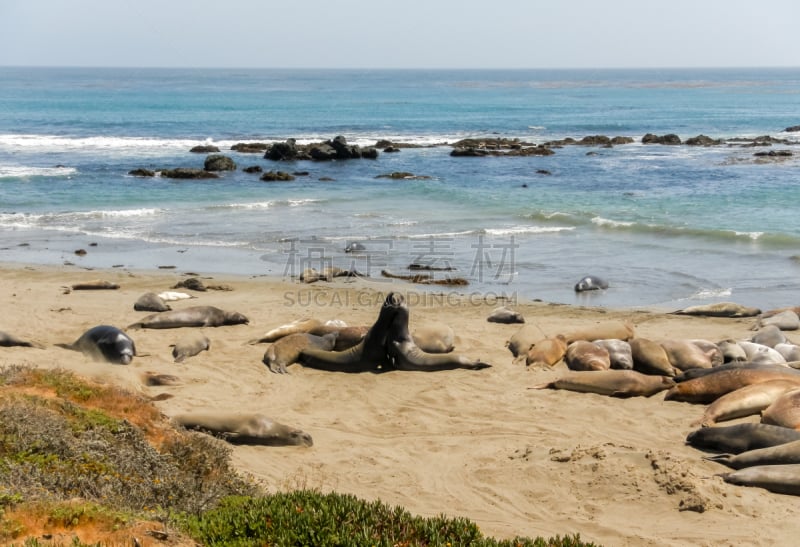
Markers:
point(369, 153)
point(702, 140)
point(326, 179)
point(250, 147)
point(792, 129)
point(774, 154)
point(142, 173)
point(301, 173)
point(323, 152)
point(622, 140)
point(204, 149)
point(283, 151)
point(543, 172)
point(188, 173)
point(253, 169)
point(402, 175)
point(218, 162)
point(594, 140)
point(669, 138)
point(80, 252)
point(280, 176)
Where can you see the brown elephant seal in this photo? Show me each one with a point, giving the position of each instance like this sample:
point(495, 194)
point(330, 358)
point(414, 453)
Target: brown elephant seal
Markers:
point(95, 285)
point(306, 324)
point(745, 401)
point(708, 388)
point(404, 354)
point(286, 350)
point(711, 349)
point(784, 411)
point(505, 315)
point(547, 352)
point(191, 283)
point(9, 340)
point(194, 316)
point(586, 356)
point(151, 378)
point(189, 346)
point(720, 309)
point(784, 320)
point(619, 352)
point(740, 437)
point(783, 454)
point(621, 330)
point(614, 383)
point(759, 354)
point(522, 340)
point(685, 354)
point(346, 337)
point(104, 343)
point(255, 429)
point(781, 479)
point(649, 357)
point(769, 335)
point(150, 301)
point(731, 351)
point(435, 338)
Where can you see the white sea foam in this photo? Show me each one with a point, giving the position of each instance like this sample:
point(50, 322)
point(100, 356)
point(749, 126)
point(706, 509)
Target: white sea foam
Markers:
point(527, 230)
point(600, 221)
point(64, 143)
point(751, 235)
point(25, 171)
point(67, 220)
point(707, 294)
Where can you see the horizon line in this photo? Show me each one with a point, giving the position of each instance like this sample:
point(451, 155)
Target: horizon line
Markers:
point(420, 68)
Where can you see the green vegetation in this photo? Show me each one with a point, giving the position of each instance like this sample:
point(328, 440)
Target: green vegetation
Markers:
point(70, 451)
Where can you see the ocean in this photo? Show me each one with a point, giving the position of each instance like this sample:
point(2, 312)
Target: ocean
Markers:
point(667, 226)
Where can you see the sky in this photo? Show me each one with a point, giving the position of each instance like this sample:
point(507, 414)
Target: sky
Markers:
point(400, 33)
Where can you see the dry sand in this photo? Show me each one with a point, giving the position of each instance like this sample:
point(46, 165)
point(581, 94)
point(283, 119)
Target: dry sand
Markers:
point(475, 444)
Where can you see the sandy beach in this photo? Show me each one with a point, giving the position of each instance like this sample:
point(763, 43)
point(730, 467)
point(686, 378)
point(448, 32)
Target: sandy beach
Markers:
point(475, 444)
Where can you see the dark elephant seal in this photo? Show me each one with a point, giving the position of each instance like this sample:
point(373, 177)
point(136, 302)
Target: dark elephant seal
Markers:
point(781, 479)
point(104, 343)
point(434, 338)
point(286, 350)
point(740, 437)
point(547, 352)
point(784, 411)
point(189, 346)
point(708, 388)
point(720, 309)
point(586, 356)
point(9, 340)
point(255, 429)
point(649, 357)
point(505, 315)
point(150, 301)
point(590, 283)
point(782, 454)
point(745, 401)
point(195, 316)
point(614, 383)
point(621, 330)
point(619, 352)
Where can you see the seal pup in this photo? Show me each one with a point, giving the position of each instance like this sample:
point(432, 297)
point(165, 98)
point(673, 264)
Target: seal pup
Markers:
point(708, 388)
point(150, 301)
point(306, 324)
point(740, 437)
point(619, 352)
point(621, 330)
point(720, 309)
point(782, 454)
point(745, 401)
point(286, 350)
point(95, 285)
point(171, 296)
point(586, 356)
point(194, 316)
point(649, 357)
point(785, 411)
point(9, 340)
point(590, 283)
point(505, 315)
point(253, 429)
point(404, 354)
point(104, 343)
point(781, 479)
point(547, 352)
point(435, 338)
point(614, 383)
point(189, 346)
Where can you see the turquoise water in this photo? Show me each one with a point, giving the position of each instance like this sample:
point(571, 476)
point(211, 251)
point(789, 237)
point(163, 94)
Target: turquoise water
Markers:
point(665, 225)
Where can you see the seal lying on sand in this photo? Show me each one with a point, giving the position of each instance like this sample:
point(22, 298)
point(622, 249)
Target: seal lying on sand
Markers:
point(189, 346)
point(706, 389)
point(745, 401)
point(720, 309)
point(741, 437)
point(781, 479)
point(245, 429)
point(195, 316)
point(615, 383)
point(285, 351)
point(104, 343)
point(9, 340)
point(781, 454)
point(150, 301)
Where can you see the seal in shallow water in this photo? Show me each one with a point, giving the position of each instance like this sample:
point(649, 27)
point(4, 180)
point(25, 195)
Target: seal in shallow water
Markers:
point(590, 283)
point(104, 343)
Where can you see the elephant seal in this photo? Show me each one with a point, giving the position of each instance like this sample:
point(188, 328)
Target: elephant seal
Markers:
point(781, 479)
point(784, 320)
point(195, 316)
point(150, 301)
point(286, 350)
point(547, 352)
point(708, 388)
point(354, 246)
point(404, 354)
point(104, 343)
point(151, 378)
point(741, 437)
point(586, 356)
point(614, 383)
point(720, 309)
point(685, 354)
point(785, 411)
point(189, 346)
point(522, 340)
point(95, 285)
point(619, 352)
point(306, 324)
point(790, 352)
point(769, 335)
point(505, 315)
point(9, 340)
point(782, 454)
point(731, 351)
point(171, 296)
point(620, 330)
point(745, 401)
point(434, 338)
point(368, 355)
point(254, 429)
point(759, 354)
point(711, 349)
point(346, 337)
point(590, 283)
point(649, 357)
